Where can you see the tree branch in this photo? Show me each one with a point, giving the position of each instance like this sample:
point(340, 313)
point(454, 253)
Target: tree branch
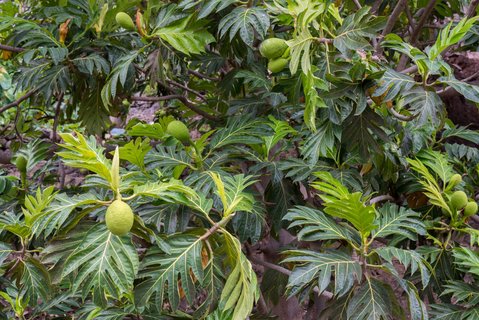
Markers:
point(471, 10)
point(402, 117)
point(17, 102)
point(391, 22)
point(427, 12)
point(385, 197)
point(179, 85)
point(202, 76)
point(287, 272)
point(10, 48)
point(183, 100)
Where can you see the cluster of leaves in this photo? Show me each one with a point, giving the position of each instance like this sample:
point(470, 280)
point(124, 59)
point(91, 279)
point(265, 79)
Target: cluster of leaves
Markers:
point(344, 151)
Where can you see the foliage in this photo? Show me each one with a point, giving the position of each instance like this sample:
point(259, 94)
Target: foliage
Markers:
point(326, 185)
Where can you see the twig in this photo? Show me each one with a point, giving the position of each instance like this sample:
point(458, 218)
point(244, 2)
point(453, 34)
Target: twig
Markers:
point(17, 102)
point(427, 11)
point(471, 10)
point(356, 2)
point(10, 48)
point(56, 118)
point(323, 40)
point(287, 272)
point(443, 91)
point(202, 76)
point(402, 117)
point(154, 99)
point(210, 231)
point(385, 197)
point(409, 70)
point(183, 99)
point(410, 18)
point(179, 85)
point(391, 22)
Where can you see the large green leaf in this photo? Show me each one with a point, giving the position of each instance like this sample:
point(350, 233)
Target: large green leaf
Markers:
point(186, 36)
point(239, 130)
point(356, 29)
point(160, 272)
point(315, 225)
point(101, 262)
point(247, 21)
point(319, 269)
point(339, 202)
point(395, 220)
point(86, 154)
point(409, 259)
point(371, 302)
point(241, 288)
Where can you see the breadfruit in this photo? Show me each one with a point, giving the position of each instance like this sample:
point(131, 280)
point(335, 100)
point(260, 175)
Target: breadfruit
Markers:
point(277, 65)
point(470, 209)
point(125, 21)
point(273, 48)
point(455, 180)
point(178, 130)
point(119, 218)
point(459, 199)
point(21, 163)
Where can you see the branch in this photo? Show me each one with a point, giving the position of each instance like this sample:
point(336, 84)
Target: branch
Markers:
point(391, 22)
point(427, 11)
point(202, 76)
point(385, 197)
point(422, 21)
point(473, 76)
point(183, 99)
point(323, 40)
point(471, 10)
point(10, 48)
point(287, 272)
point(402, 117)
point(17, 102)
point(179, 85)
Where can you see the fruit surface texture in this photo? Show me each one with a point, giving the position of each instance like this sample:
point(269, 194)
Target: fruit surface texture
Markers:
point(273, 48)
point(178, 130)
point(470, 209)
point(277, 65)
point(119, 218)
point(455, 180)
point(125, 21)
point(459, 199)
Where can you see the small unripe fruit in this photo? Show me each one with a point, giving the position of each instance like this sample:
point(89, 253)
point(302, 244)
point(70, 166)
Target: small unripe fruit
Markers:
point(459, 199)
point(273, 48)
point(21, 163)
point(277, 65)
point(470, 209)
point(455, 180)
point(119, 218)
point(125, 21)
point(178, 130)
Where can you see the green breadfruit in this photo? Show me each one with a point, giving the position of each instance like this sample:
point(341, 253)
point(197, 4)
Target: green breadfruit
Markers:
point(277, 65)
point(178, 130)
point(21, 163)
point(455, 180)
point(273, 48)
point(470, 209)
point(459, 199)
point(125, 21)
point(119, 218)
